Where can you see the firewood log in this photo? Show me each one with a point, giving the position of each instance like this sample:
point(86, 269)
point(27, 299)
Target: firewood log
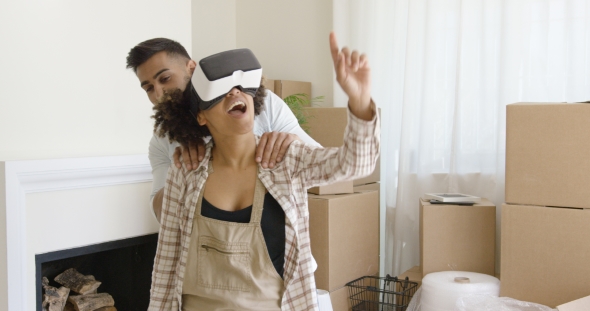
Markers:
point(76, 281)
point(54, 299)
point(69, 307)
point(91, 302)
point(95, 291)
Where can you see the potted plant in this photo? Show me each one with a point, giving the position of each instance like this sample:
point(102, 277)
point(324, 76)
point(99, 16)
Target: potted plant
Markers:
point(297, 102)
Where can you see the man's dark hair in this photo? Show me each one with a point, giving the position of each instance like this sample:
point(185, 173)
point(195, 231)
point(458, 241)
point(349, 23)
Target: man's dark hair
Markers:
point(140, 53)
point(173, 116)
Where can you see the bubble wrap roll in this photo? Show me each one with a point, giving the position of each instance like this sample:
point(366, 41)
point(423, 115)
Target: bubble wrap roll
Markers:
point(440, 291)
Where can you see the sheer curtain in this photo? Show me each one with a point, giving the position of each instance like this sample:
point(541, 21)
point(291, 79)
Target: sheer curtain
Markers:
point(443, 72)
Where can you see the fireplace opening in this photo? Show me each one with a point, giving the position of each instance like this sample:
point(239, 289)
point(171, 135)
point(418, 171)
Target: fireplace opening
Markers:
point(124, 267)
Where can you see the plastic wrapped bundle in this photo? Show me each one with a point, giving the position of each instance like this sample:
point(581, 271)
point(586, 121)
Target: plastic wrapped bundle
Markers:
point(415, 302)
point(488, 303)
point(484, 303)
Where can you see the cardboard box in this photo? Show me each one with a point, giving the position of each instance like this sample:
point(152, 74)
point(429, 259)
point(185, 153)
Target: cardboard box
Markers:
point(344, 235)
point(284, 88)
point(269, 84)
point(339, 299)
point(341, 187)
point(582, 304)
point(327, 125)
point(547, 148)
point(376, 186)
point(455, 237)
point(545, 253)
point(372, 186)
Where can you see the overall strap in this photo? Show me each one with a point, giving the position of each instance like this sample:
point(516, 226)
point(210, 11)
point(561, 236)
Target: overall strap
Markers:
point(258, 204)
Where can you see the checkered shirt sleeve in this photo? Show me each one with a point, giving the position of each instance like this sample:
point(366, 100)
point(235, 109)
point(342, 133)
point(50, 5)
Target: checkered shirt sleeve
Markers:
point(355, 159)
point(308, 166)
point(169, 244)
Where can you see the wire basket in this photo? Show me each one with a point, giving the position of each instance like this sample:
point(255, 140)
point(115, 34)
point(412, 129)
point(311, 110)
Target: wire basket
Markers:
point(372, 293)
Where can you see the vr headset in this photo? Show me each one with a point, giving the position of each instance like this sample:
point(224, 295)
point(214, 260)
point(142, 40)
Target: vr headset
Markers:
point(218, 74)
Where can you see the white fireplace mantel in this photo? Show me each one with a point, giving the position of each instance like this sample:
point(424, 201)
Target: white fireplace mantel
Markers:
point(32, 176)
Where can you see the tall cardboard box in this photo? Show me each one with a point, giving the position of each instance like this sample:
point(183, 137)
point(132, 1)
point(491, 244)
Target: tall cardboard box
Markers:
point(344, 236)
point(545, 253)
point(284, 88)
point(339, 299)
point(547, 148)
point(455, 237)
point(340, 187)
point(376, 186)
point(327, 125)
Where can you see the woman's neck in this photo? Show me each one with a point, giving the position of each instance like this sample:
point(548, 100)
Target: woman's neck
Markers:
point(236, 151)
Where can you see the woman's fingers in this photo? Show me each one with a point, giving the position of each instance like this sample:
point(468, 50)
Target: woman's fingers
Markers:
point(346, 52)
point(351, 67)
point(364, 61)
point(354, 61)
point(334, 49)
point(340, 67)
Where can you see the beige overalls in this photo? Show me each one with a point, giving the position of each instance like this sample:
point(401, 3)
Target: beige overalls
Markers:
point(228, 265)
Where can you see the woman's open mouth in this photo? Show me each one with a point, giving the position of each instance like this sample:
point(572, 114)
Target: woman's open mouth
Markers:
point(237, 108)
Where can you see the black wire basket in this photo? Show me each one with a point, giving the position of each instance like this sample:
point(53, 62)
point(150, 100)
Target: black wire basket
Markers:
point(373, 293)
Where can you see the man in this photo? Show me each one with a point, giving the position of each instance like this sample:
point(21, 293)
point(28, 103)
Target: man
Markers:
point(163, 65)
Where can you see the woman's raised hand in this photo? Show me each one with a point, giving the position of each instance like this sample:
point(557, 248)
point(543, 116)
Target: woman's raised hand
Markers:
point(354, 76)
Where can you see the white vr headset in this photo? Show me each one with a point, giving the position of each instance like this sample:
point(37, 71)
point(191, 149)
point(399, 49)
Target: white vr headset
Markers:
point(218, 74)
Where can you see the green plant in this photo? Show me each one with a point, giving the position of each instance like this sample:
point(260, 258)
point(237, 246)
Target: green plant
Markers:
point(297, 102)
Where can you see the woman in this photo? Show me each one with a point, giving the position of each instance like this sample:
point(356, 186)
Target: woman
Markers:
point(235, 236)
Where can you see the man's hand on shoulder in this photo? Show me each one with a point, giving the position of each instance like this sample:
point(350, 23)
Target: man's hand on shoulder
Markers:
point(273, 147)
point(191, 155)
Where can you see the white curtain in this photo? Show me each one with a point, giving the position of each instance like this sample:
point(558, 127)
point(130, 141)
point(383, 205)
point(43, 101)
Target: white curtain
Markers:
point(443, 72)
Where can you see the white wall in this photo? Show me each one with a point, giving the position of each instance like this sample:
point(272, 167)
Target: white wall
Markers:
point(213, 27)
point(290, 39)
point(3, 243)
point(65, 90)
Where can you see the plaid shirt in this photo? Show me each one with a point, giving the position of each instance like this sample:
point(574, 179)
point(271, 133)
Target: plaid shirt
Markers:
point(303, 167)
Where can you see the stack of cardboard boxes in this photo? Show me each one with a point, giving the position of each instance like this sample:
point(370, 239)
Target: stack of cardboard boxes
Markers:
point(344, 216)
point(344, 224)
point(455, 237)
point(545, 228)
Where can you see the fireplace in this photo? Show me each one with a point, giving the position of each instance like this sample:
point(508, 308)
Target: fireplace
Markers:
point(69, 210)
point(124, 267)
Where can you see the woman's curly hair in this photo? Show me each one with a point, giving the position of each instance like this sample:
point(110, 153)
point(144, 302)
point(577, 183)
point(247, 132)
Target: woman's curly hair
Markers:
point(173, 116)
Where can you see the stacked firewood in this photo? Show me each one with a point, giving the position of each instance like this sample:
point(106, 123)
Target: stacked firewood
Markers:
point(79, 293)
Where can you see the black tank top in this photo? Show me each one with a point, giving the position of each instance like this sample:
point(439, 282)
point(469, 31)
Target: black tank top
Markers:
point(272, 224)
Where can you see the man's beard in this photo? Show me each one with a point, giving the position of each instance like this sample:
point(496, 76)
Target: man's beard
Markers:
point(176, 95)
